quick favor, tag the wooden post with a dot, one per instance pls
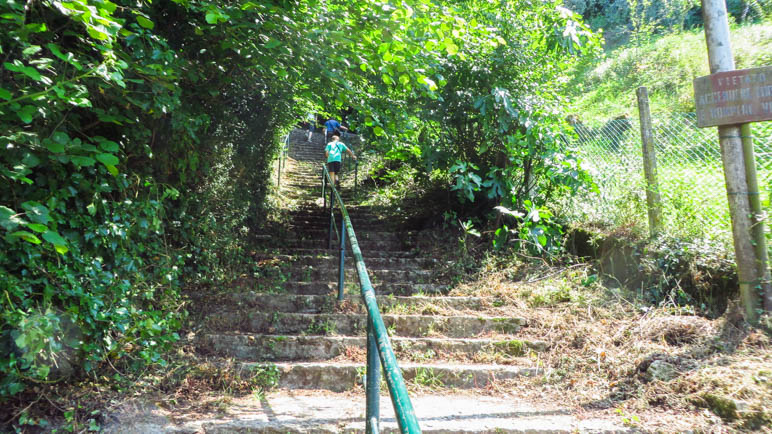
(653, 199)
(720, 58)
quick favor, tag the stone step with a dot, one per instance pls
(327, 303)
(326, 274)
(341, 376)
(332, 261)
(323, 218)
(384, 246)
(322, 251)
(325, 412)
(430, 350)
(320, 233)
(352, 287)
(318, 211)
(244, 320)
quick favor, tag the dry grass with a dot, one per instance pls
(603, 343)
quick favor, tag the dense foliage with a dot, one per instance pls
(128, 132)
(137, 138)
(636, 20)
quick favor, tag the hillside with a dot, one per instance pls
(604, 87)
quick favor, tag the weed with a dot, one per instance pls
(391, 330)
(514, 347)
(506, 325)
(326, 327)
(264, 377)
(426, 377)
(550, 296)
(630, 421)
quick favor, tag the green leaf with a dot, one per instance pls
(272, 43)
(32, 49)
(107, 159)
(80, 160)
(91, 208)
(112, 169)
(26, 113)
(56, 148)
(109, 146)
(37, 227)
(26, 236)
(378, 131)
(59, 243)
(36, 27)
(21, 341)
(9, 219)
(144, 22)
(29, 71)
(37, 212)
(4, 94)
(211, 17)
(30, 160)
(69, 57)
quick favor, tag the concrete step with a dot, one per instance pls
(319, 212)
(247, 321)
(293, 303)
(383, 246)
(352, 287)
(324, 412)
(341, 376)
(323, 218)
(332, 261)
(322, 251)
(430, 350)
(324, 274)
(320, 233)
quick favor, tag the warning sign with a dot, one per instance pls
(734, 97)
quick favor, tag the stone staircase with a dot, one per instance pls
(445, 345)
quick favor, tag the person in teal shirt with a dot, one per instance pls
(333, 151)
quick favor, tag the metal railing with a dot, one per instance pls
(282, 159)
(378, 344)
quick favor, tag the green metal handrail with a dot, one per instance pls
(378, 344)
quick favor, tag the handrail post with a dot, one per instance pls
(278, 171)
(324, 190)
(373, 383)
(356, 174)
(332, 219)
(342, 258)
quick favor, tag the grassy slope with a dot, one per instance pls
(605, 88)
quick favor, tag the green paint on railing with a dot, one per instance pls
(403, 408)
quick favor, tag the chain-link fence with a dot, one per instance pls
(689, 173)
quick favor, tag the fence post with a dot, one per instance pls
(758, 229)
(720, 59)
(653, 199)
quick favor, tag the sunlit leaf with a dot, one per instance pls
(144, 22)
(59, 243)
(37, 227)
(26, 236)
